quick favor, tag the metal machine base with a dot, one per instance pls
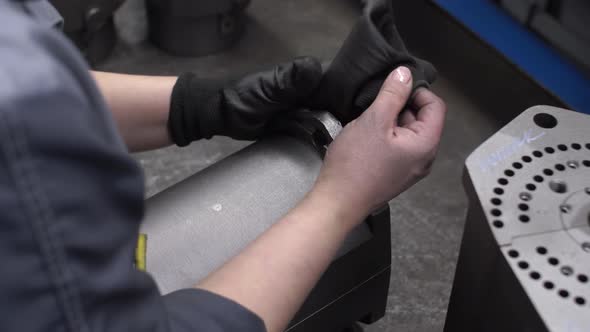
(523, 264)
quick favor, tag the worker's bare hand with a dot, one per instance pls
(385, 151)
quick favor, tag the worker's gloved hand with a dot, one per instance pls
(384, 151)
(372, 50)
(242, 109)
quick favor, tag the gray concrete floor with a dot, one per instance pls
(427, 221)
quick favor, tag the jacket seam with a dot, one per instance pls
(39, 216)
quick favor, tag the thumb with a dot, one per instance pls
(393, 96)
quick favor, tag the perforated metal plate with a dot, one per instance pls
(532, 180)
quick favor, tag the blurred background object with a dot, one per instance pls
(90, 25)
(196, 27)
(180, 27)
(484, 40)
(562, 23)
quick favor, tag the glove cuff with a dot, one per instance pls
(194, 109)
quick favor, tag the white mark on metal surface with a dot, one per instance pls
(506, 152)
(217, 207)
(213, 158)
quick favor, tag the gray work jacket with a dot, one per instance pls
(71, 200)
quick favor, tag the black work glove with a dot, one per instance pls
(242, 109)
(373, 49)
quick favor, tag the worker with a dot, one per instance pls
(72, 198)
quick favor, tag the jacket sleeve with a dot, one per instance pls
(71, 202)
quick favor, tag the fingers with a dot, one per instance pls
(406, 118)
(283, 86)
(294, 81)
(431, 112)
(393, 96)
(306, 75)
(428, 69)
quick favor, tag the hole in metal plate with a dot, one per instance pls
(523, 218)
(545, 120)
(523, 265)
(558, 186)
